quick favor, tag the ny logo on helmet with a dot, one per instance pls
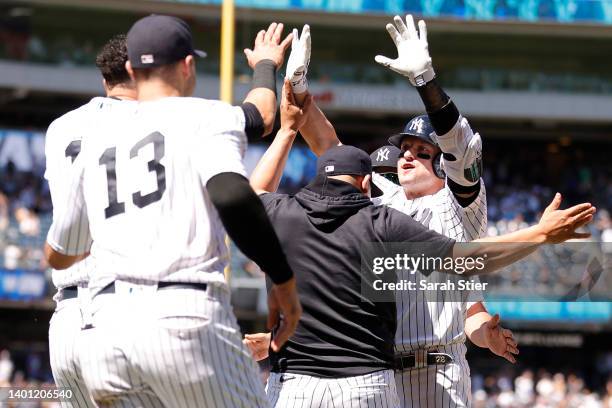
(382, 155)
(417, 125)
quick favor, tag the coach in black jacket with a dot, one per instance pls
(342, 350)
(343, 334)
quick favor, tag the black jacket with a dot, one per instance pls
(322, 228)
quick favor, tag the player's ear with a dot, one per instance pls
(105, 85)
(130, 70)
(366, 187)
(189, 65)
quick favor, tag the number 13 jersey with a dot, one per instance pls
(140, 185)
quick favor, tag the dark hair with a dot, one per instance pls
(111, 61)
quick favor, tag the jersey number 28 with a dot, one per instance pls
(109, 159)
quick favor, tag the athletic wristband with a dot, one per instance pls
(264, 75)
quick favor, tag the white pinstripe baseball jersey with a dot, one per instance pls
(62, 146)
(138, 191)
(422, 323)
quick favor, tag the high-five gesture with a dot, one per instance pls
(297, 64)
(413, 59)
(561, 225)
(268, 46)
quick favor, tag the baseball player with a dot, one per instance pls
(333, 359)
(457, 208)
(62, 146)
(152, 188)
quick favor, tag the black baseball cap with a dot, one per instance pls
(344, 160)
(158, 40)
(385, 156)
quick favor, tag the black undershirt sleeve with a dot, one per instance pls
(443, 114)
(254, 124)
(245, 220)
(441, 110)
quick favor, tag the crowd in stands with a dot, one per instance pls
(538, 389)
(25, 214)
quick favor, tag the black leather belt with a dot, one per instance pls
(408, 361)
(181, 285)
(110, 288)
(70, 292)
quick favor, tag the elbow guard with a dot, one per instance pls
(462, 154)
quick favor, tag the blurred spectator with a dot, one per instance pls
(29, 223)
(12, 256)
(6, 366)
(524, 386)
(551, 391)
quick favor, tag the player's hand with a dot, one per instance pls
(283, 299)
(560, 225)
(297, 64)
(499, 340)
(292, 117)
(268, 46)
(413, 59)
(258, 344)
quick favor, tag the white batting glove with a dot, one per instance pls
(413, 59)
(297, 64)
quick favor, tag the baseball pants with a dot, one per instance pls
(177, 347)
(295, 390)
(64, 335)
(437, 386)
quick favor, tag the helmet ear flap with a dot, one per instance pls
(436, 164)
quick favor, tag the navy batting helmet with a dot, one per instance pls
(420, 127)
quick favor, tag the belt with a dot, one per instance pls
(409, 361)
(70, 292)
(110, 288)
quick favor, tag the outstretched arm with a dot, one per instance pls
(554, 227)
(265, 58)
(268, 172)
(461, 147)
(318, 132)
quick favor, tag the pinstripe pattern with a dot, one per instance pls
(62, 148)
(64, 330)
(296, 390)
(169, 348)
(178, 348)
(422, 323)
(178, 237)
(437, 386)
(440, 324)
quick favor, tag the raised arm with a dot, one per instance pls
(461, 147)
(265, 58)
(268, 172)
(317, 131)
